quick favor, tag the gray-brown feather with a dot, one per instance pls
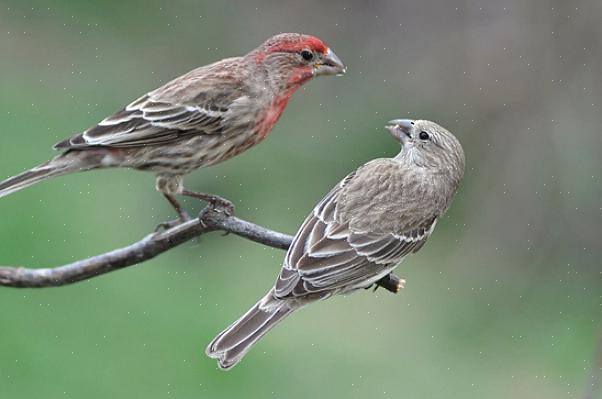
(201, 118)
(236, 340)
(360, 231)
(200, 102)
(370, 221)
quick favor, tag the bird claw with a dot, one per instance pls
(162, 227)
(216, 203)
(221, 205)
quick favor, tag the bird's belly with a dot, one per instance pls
(187, 155)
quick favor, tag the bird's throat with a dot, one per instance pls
(291, 84)
(268, 118)
(298, 77)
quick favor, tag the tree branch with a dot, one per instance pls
(150, 246)
(147, 248)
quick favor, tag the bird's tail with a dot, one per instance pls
(63, 164)
(232, 344)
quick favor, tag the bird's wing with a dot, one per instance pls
(326, 254)
(195, 103)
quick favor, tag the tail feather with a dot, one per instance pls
(61, 165)
(232, 344)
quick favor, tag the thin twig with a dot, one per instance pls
(147, 248)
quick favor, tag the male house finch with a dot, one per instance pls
(206, 116)
(359, 232)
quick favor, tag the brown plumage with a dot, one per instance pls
(359, 232)
(206, 116)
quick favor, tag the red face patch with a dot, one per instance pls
(316, 44)
(295, 43)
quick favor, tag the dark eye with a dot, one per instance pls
(423, 135)
(307, 55)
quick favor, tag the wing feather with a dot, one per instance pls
(194, 104)
(327, 255)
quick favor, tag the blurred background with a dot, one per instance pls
(505, 299)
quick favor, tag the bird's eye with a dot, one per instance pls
(307, 55)
(423, 135)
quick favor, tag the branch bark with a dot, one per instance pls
(150, 246)
(147, 248)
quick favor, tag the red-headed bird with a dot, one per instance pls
(206, 116)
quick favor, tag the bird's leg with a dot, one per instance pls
(391, 283)
(182, 215)
(216, 202)
(168, 185)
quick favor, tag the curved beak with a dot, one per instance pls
(401, 129)
(330, 64)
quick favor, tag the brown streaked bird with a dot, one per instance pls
(359, 232)
(206, 116)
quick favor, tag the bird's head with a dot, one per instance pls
(429, 146)
(297, 58)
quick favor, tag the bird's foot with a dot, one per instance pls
(391, 283)
(217, 203)
(182, 217)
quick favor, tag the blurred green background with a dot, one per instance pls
(506, 298)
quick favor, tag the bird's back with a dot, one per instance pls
(387, 196)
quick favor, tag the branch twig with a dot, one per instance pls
(150, 246)
(145, 249)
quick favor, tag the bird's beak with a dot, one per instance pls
(401, 129)
(330, 64)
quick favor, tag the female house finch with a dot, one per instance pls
(206, 116)
(359, 232)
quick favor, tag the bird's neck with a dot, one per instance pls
(279, 84)
(268, 118)
(442, 181)
(297, 78)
